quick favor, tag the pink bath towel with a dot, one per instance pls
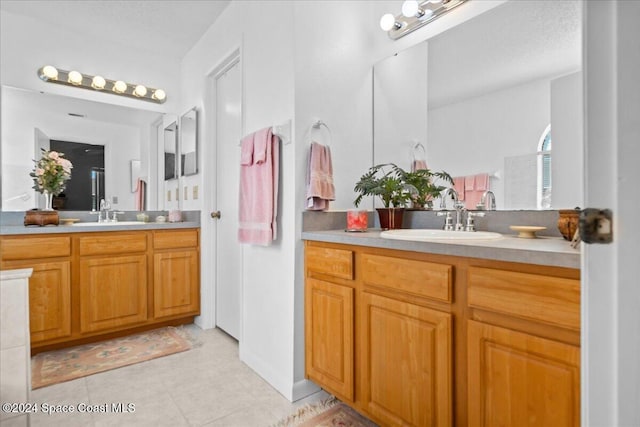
(259, 190)
(141, 188)
(482, 182)
(320, 188)
(246, 150)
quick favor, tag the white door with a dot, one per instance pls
(42, 142)
(610, 291)
(228, 89)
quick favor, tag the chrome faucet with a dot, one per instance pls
(482, 205)
(457, 205)
(105, 207)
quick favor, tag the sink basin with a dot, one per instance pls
(428, 235)
(100, 224)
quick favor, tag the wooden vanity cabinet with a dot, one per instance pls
(113, 280)
(330, 319)
(443, 341)
(49, 285)
(176, 273)
(94, 285)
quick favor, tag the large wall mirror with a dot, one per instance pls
(102, 140)
(189, 143)
(500, 94)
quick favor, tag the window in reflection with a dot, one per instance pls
(544, 170)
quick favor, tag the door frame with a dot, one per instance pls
(610, 295)
(208, 228)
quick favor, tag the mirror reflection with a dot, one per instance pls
(189, 143)
(496, 100)
(170, 150)
(85, 130)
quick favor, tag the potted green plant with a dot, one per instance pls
(424, 183)
(385, 182)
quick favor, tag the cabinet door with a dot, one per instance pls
(329, 313)
(176, 285)
(113, 292)
(50, 301)
(406, 362)
(517, 379)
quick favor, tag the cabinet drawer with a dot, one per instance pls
(113, 244)
(334, 262)
(175, 239)
(548, 299)
(421, 278)
(35, 247)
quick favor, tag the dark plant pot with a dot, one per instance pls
(390, 218)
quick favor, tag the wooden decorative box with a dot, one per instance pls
(36, 217)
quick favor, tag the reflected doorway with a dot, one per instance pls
(86, 186)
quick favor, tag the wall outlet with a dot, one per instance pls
(195, 192)
(114, 200)
(168, 195)
(186, 192)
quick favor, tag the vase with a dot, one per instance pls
(390, 218)
(48, 201)
(568, 220)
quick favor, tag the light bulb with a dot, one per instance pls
(75, 78)
(49, 72)
(119, 86)
(427, 13)
(435, 1)
(140, 91)
(387, 22)
(410, 8)
(98, 82)
(159, 95)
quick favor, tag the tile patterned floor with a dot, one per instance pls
(206, 386)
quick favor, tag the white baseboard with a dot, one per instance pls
(304, 388)
(282, 385)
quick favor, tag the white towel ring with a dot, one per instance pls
(318, 125)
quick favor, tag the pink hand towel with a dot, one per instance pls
(418, 165)
(320, 188)
(246, 150)
(458, 185)
(261, 145)
(259, 193)
(482, 182)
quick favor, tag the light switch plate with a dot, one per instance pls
(195, 192)
(177, 194)
(168, 195)
(186, 192)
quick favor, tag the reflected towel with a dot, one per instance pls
(141, 189)
(259, 191)
(458, 185)
(482, 182)
(320, 188)
(418, 165)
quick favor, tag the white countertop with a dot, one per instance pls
(551, 251)
(7, 230)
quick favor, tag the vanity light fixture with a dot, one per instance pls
(51, 74)
(415, 14)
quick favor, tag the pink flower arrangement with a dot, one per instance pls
(51, 172)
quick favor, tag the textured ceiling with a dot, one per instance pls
(517, 42)
(168, 27)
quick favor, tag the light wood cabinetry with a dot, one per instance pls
(49, 285)
(405, 362)
(434, 340)
(94, 285)
(176, 273)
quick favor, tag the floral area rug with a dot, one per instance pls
(67, 364)
(327, 413)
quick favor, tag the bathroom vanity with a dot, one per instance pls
(92, 283)
(441, 334)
